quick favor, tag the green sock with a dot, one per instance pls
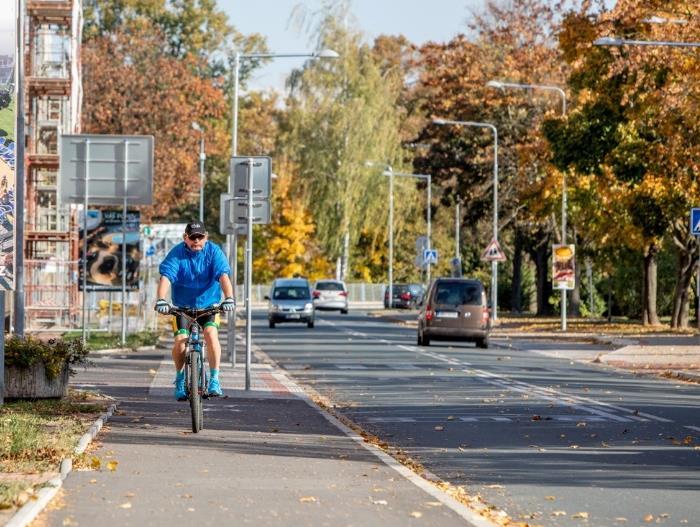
(214, 373)
(180, 375)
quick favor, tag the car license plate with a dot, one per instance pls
(294, 315)
(447, 314)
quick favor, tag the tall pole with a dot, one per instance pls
(391, 236)
(249, 278)
(457, 253)
(124, 212)
(85, 239)
(494, 263)
(202, 157)
(231, 244)
(19, 178)
(430, 201)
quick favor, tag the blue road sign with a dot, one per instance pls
(695, 222)
(430, 256)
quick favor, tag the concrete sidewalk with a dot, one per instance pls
(266, 457)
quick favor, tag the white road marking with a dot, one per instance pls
(585, 404)
(696, 428)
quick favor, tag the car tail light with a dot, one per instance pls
(406, 296)
(485, 316)
(428, 313)
(316, 294)
(343, 293)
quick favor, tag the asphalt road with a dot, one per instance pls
(549, 440)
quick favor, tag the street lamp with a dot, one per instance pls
(389, 171)
(494, 263)
(231, 240)
(429, 179)
(502, 85)
(202, 158)
(610, 41)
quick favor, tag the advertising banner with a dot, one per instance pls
(104, 253)
(563, 267)
(8, 120)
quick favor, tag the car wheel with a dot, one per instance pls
(343, 311)
(482, 343)
(419, 340)
(271, 324)
(310, 324)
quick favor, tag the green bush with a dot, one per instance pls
(53, 353)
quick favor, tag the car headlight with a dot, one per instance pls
(308, 307)
(274, 307)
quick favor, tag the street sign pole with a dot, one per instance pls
(249, 277)
(697, 286)
(232, 316)
(85, 244)
(126, 177)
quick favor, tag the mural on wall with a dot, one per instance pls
(7, 145)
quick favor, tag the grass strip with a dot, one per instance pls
(100, 341)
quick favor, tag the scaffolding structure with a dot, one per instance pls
(52, 107)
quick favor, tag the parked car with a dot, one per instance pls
(290, 301)
(405, 296)
(331, 295)
(455, 309)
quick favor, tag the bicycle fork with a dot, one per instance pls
(195, 353)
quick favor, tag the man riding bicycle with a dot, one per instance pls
(197, 272)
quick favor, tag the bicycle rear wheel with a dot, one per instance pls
(195, 391)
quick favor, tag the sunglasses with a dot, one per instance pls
(196, 237)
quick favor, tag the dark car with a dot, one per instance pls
(290, 301)
(455, 309)
(405, 296)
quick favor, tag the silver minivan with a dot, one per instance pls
(290, 301)
(455, 309)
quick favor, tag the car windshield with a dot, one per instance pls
(415, 289)
(329, 286)
(291, 293)
(458, 293)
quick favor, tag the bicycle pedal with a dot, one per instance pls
(212, 395)
(182, 399)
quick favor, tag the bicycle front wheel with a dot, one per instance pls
(195, 392)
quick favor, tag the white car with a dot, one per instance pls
(331, 295)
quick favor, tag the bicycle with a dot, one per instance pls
(196, 375)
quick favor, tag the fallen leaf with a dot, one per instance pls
(649, 518)
(450, 417)
(379, 502)
(112, 465)
(559, 513)
(190, 509)
(550, 498)
(93, 481)
(416, 514)
(621, 519)
(126, 505)
(582, 424)
(495, 487)
(536, 418)
(307, 499)
(152, 371)
(580, 516)
(95, 463)
(439, 428)
(573, 446)
(129, 495)
(433, 503)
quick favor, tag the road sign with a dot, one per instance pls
(421, 244)
(563, 266)
(695, 222)
(456, 267)
(262, 176)
(234, 214)
(493, 252)
(430, 256)
(99, 160)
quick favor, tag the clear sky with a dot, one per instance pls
(419, 20)
(7, 27)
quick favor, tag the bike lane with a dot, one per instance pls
(265, 457)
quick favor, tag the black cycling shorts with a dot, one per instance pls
(180, 323)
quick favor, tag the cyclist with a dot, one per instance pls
(197, 272)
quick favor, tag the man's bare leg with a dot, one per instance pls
(178, 352)
(211, 337)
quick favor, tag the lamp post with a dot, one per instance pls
(389, 171)
(202, 158)
(494, 263)
(610, 41)
(429, 179)
(231, 240)
(501, 85)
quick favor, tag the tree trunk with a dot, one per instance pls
(649, 314)
(539, 253)
(516, 286)
(687, 265)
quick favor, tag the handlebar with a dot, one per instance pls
(184, 311)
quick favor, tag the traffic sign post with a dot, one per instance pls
(493, 252)
(695, 221)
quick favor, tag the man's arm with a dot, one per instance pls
(226, 286)
(163, 287)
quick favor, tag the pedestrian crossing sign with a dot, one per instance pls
(430, 256)
(493, 252)
(695, 222)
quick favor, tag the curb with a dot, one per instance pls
(115, 351)
(30, 510)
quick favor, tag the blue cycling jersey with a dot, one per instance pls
(194, 275)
